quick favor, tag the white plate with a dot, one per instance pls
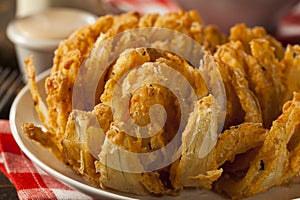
(23, 110)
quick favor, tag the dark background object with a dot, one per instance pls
(7, 53)
(7, 60)
(9, 72)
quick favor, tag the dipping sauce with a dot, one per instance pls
(54, 23)
(39, 34)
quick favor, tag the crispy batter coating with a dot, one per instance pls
(245, 35)
(66, 63)
(265, 171)
(231, 58)
(45, 138)
(268, 81)
(199, 138)
(291, 65)
(71, 53)
(261, 128)
(237, 140)
(255, 78)
(39, 105)
(82, 140)
(147, 94)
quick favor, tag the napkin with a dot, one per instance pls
(29, 180)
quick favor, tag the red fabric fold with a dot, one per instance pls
(29, 180)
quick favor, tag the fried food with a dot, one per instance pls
(37, 100)
(66, 62)
(137, 111)
(198, 140)
(142, 83)
(265, 171)
(291, 69)
(271, 99)
(245, 35)
(231, 58)
(256, 78)
(237, 140)
(71, 53)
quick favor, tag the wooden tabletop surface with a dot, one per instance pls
(7, 189)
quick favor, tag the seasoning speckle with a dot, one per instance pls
(262, 165)
(294, 54)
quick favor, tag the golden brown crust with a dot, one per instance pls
(45, 138)
(37, 100)
(258, 77)
(291, 70)
(265, 171)
(245, 35)
(231, 57)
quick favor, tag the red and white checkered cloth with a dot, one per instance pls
(289, 26)
(29, 180)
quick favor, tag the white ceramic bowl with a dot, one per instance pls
(40, 34)
(227, 13)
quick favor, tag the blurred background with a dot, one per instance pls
(7, 12)
(11, 80)
(10, 9)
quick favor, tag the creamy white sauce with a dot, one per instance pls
(55, 23)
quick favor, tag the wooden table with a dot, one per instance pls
(7, 189)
